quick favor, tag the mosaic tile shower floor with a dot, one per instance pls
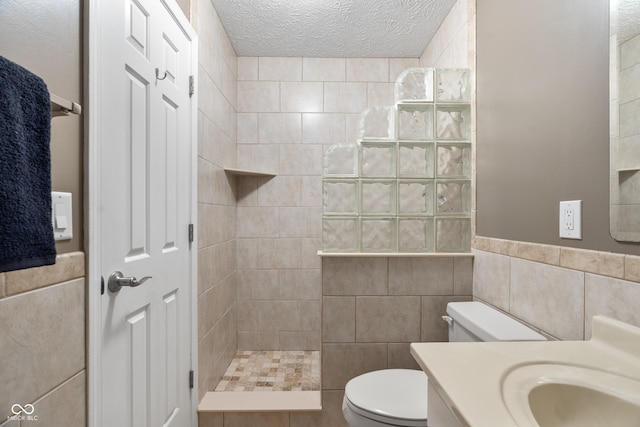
(272, 371)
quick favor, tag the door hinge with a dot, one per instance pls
(192, 85)
(190, 233)
(191, 382)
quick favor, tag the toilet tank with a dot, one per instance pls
(475, 321)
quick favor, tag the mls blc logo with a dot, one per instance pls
(23, 413)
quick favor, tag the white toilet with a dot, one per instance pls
(398, 397)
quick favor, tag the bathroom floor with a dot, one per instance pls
(272, 371)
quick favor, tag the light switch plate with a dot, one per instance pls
(571, 219)
(61, 215)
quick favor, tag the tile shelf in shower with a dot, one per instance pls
(247, 172)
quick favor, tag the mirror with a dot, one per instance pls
(624, 120)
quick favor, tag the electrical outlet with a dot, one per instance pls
(571, 219)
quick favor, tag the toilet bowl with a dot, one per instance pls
(389, 397)
(398, 397)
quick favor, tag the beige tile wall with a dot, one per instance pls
(555, 289)
(289, 111)
(217, 271)
(284, 132)
(42, 342)
(373, 307)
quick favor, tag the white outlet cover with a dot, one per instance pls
(570, 221)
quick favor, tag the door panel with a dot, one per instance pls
(136, 166)
(138, 335)
(145, 156)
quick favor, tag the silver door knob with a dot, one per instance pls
(117, 281)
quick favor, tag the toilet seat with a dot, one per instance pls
(396, 397)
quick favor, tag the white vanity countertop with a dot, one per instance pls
(469, 376)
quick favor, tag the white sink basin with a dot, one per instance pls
(550, 394)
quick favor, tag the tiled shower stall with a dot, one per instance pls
(287, 112)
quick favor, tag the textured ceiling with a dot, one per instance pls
(331, 28)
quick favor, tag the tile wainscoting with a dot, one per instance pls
(555, 289)
(42, 342)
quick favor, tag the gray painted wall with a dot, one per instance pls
(45, 37)
(542, 120)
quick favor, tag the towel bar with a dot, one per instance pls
(62, 107)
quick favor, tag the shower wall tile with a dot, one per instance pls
(449, 47)
(280, 69)
(324, 128)
(324, 69)
(363, 318)
(259, 284)
(279, 128)
(293, 108)
(295, 340)
(247, 124)
(219, 262)
(380, 94)
(368, 70)
(301, 97)
(300, 222)
(206, 176)
(281, 190)
(215, 351)
(354, 276)
(247, 68)
(309, 253)
(341, 362)
(213, 144)
(339, 319)
(398, 65)
(260, 97)
(387, 318)
(258, 157)
(463, 276)
(216, 223)
(247, 257)
(311, 189)
(352, 125)
(301, 284)
(214, 303)
(345, 97)
(421, 276)
(256, 221)
(218, 127)
(279, 253)
(300, 160)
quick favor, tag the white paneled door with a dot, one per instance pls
(145, 135)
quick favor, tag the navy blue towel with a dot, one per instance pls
(26, 232)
